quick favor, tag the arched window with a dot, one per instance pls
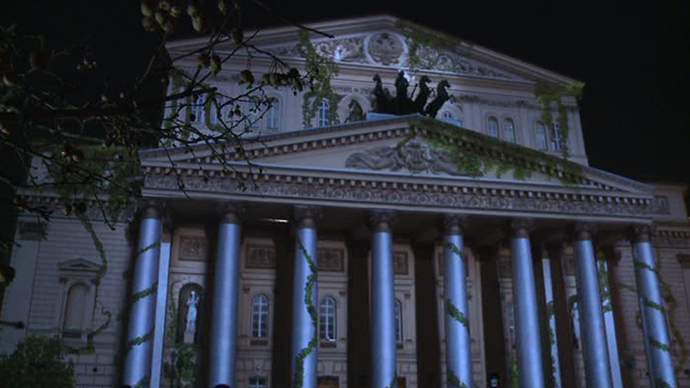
(450, 118)
(556, 140)
(74, 309)
(260, 316)
(493, 127)
(324, 109)
(197, 110)
(542, 143)
(273, 114)
(509, 131)
(327, 325)
(398, 321)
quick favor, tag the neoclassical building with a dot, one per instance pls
(363, 251)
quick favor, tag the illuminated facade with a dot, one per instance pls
(421, 274)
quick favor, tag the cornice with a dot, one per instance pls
(286, 184)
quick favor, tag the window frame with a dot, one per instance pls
(540, 127)
(322, 111)
(398, 318)
(272, 115)
(330, 319)
(508, 122)
(490, 128)
(257, 317)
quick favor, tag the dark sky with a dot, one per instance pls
(632, 58)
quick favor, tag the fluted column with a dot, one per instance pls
(223, 344)
(458, 354)
(594, 344)
(526, 310)
(383, 347)
(139, 346)
(304, 291)
(657, 340)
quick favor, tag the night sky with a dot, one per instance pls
(632, 58)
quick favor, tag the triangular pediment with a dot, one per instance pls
(404, 148)
(387, 42)
(78, 265)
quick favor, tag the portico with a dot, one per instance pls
(373, 210)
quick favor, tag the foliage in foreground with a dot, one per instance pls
(38, 362)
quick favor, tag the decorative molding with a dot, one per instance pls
(286, 188)
(660, 205)
(400, 263)
(385, 49)
(684, 260)
(33, 231)
(260, 257)
(414, 156)
(192, 248)
(331, 260)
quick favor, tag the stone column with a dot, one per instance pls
(657, 340)
(139, 346)
(223, 333)
(304, 310)
(458, 354)
(594, 344)
(526, 310)
(383, 347)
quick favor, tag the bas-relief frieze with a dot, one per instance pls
(413, 156)
(331, 259)
(394, 196)
(192, 248)
(660, 205)
(261, 257)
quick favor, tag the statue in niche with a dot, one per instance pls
(403, 104)
(192, 302)
(356, 113)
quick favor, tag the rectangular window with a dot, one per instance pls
(257, 382)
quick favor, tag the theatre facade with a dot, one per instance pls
(366, 251)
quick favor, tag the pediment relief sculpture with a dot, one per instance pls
(414, 156)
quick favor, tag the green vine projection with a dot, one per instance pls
(669, 311)
(320, 69)
(476, 154)
(418, 37)
(454, 380)
(604, 289)
(298, 377)
(552, 341)
(548, 93)
(514, 372)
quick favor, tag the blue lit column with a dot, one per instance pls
(458, 355)
(304, 340)
(526, 312)
(222, 342)
(383, 347)
(653, 313)
(139, 346)
(594, 344)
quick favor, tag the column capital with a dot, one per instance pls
(641, 232)
(151, 207)
(381, 220)
(521, 227)
(454, 223)
(306, 216)
(584, 230)
(230, 212)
